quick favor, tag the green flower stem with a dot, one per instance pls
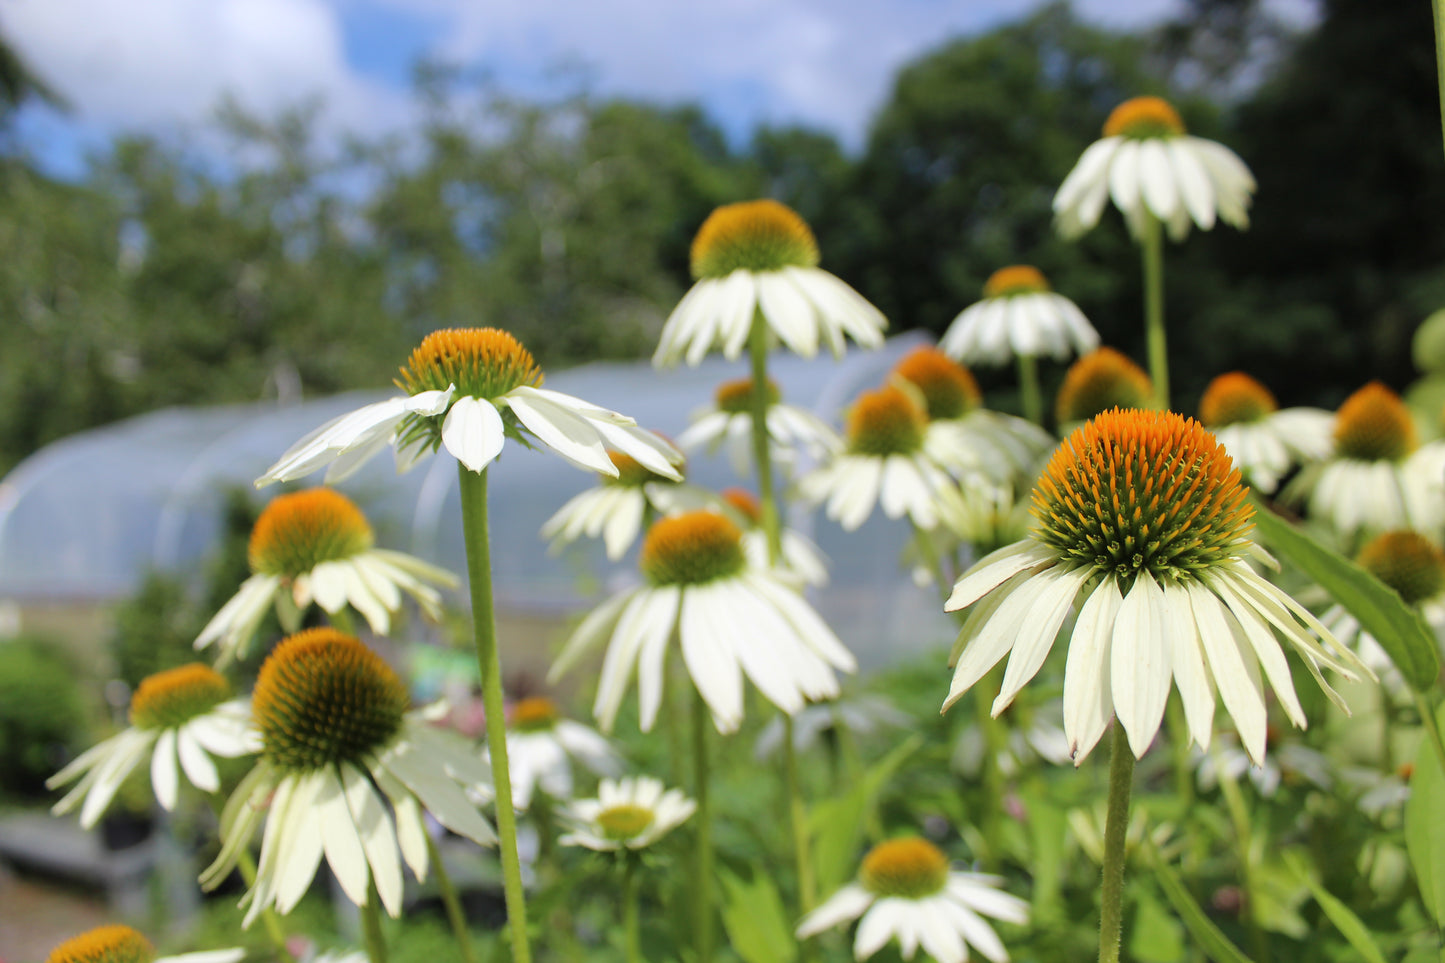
(1152, 241)
(342, 621)
(371, 927)
(1030, 394)
(1432, 727)
(767, 498)
(807, 885)
(630, 935)
(1239, 816)
(1116, 829)
(702, 870)
(450, 901)
(484, 623)
(1438, 8)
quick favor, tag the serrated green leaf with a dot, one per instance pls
(837, 824)
(1400, 630)
(1214, 943)
(1423, 839)
(755, 921)
(1339, 914)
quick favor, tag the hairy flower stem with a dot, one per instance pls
(484, 624)
(630, 934)
(450, 901)
(1031, 396)
(1239, 816)
(371, 927)
(1438, 8)
(1152, 242)
(702, 859)
(1116, 829)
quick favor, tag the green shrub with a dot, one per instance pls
(41, 714)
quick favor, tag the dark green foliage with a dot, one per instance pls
(41, 714)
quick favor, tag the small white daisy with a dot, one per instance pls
(728, 423)
(183, 715)
(1292, 760)
(1141, 521)
(1378, 476)
(758, 259)
(894, 456)
(860, 715)
(316, 546)
(906, 891)
(801, 558)
(1100, 380)
(121, 944)
(338, 744)
(629, 813)
(1381, 793)
(1150, 166)
(542, 746)
(1038, 733)
(469, 389)
(1019, 316)
(731, 620)
(1264, 441)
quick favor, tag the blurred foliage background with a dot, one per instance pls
(260, 260)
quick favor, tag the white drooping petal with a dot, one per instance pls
(473, 432)
(1140, 667)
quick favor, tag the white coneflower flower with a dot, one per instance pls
(542, 746)
(468, 389)
(1291, 760)
(759, 258)
(728, 423)
(1034, 734)
(1150, 166)
(1264, 441)
(317, 546)
(183, 715)
(905, 891)
(630, 813)
(615, 509)
(1142, 521)
(338, 744)
(121, 944)
(860, 715)
(1378, 477)
(801, 558)
(892, 457)
(1018, 316)
(1100, 380)
(731, 620)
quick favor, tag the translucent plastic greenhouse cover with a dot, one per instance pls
(87, 517)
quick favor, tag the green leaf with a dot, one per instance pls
(755, 922)
(1214, 943)
(1154, 935)
(1341, 915)
(837, 823)
(1399, 629)
(1048, 832)
(1423, 839)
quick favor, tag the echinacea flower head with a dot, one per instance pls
(728, 424)
(1100, 380)
(1019, 316)
(468, 390)
(338, 744)
(888, 459)
(906, 891)
(1142, 519)
(1378, 476)
(1264, 441)
(801, 558)
(1152, 167)
(615, 509)
(179, 719)
(542, 747)
(121, 944)
(317, 546)
(731, 620)
(760, 259)
(629, 813)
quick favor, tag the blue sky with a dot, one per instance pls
(158, 65)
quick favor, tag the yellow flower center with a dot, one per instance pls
(105, 944)
(1135, 491)
(691, 548)
(736, 397)
(534, 714)
(298, 532)
(322, 697)
(1143, 118)
(1098, 381)
(745, 502)
(631, 473)
(886, 422)
(1234, 398)
(625, 822)
(1408, 562)
(1015, 279)
(910, 868)
(176, 696)
(752, 236)
(948, 389)
(481, 362)
(1374, 425)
